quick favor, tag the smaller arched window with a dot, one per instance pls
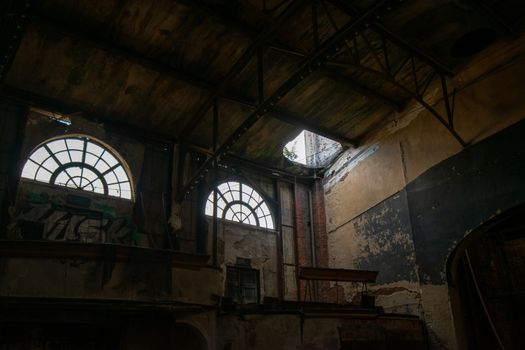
(81, 163)
(241, 203)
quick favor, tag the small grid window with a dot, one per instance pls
(242, 284)
(79, 163)
(241, 203)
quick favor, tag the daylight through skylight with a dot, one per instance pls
(311, 150)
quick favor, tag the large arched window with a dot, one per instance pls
(239, 202)
(81, 163)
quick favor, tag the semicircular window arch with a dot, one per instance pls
(81, 163)
(241, 203)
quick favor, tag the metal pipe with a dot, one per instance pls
(312, 242)
(279, 238)
(296, 247)
(312, 233)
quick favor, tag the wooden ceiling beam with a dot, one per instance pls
(265, 35)
(98, 42)
(68, 109)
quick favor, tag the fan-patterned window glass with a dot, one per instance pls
(239, 202)
(80, 163)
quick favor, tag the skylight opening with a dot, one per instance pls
(311, 150)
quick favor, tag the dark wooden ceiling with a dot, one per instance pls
(157, 65)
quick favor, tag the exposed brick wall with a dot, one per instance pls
(319, 222)
(302, 220)
(302, 231)
(326, 292)
(302, 211)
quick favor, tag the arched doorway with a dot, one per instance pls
(486, 275)
(186, 337)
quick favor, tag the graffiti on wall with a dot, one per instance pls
(43, 218)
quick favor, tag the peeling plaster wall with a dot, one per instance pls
(258, 245)
(402, 201)
(139, 280)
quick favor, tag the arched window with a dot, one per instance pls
(81, 163)
(239, 202)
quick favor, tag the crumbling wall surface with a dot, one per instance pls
(381, 241)
(141, 280)
(238, 240)
(401, 202)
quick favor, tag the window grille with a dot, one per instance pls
(241, 203)
(80, 163)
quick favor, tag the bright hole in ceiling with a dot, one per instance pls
(311, 150)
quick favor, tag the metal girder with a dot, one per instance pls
(350, 83)
(362, 89)
(239, 65)
(60, 107)
(395, 39)
(232, 160)
(289, 118)
(416, 95)
(415, 88)
(312, 62)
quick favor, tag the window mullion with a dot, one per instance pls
(83, 162)
(46, 147)
(110, 169)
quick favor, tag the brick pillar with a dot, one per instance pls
(326, 293)
(319, 222)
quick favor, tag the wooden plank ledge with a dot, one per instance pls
(342, 275)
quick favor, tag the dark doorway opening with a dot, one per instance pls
(486, 274)
(187, 337)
